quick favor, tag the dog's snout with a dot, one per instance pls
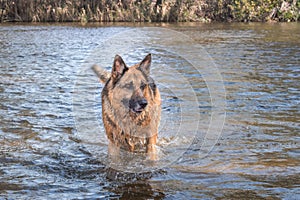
(138, 105)
(143, 103)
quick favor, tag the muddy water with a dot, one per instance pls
(52, 143)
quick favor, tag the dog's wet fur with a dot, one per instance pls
(131, 105)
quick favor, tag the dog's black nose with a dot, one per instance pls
(143, 103)
(138, 106)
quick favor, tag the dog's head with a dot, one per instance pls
(132, 88)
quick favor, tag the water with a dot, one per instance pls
(52, 142)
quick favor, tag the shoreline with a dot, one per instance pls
(144, 24)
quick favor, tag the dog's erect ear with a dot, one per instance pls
(145, 65)
(118, 69)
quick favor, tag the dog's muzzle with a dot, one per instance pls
(137, 106)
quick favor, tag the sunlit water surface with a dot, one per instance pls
(52, 142)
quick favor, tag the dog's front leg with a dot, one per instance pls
(151, 147)
(113, 152)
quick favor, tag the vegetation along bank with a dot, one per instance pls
(149, 10)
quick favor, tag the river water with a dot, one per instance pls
(230, 111)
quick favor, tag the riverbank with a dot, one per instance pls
(149, 11)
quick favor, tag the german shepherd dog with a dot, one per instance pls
(131, 106)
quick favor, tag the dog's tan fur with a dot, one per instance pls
(126, 128)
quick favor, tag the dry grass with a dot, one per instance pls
(147, 10)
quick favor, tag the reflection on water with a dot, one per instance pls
(257, 156)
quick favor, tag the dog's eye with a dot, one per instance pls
(128, 85)
(143, 86)
(152, 86)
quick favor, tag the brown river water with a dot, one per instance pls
(230, 111)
